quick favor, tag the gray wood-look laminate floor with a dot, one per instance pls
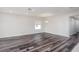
(40, 42)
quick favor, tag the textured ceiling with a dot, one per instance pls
(39, 11)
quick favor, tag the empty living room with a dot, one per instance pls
(39, 29)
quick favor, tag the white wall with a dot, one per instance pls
(14, 25)
(58, 25)
(61, 24)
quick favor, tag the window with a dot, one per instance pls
(37, 26)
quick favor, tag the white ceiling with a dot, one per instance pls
(39, 11)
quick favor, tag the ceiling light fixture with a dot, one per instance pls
(28, 11)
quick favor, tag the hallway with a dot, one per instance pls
(76, 43)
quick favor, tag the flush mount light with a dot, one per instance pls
(28, 11)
